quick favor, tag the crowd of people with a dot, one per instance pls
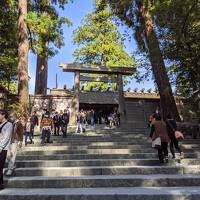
(12, 130)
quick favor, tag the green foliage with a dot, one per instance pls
(178, 28)
(100, 43)
(11, 86)
(45, 26)
(19, 110)
(8, 42)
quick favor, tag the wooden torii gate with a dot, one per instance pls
(88, 69)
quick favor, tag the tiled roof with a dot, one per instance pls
(143, 95)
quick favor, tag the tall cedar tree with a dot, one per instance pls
(136, 14)
(46, 33)
(23, 57)
(100, 43)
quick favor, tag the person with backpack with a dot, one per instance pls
(5, 140)
(16, 141)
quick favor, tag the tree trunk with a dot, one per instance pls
(41, 75)
(168, 104)
(23, 57)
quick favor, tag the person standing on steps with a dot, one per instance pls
(171, 128)
(16, 142)
(46, 126)
(159, 129)
(60, 121)
(65, 122)
(5, 140)
(79, 120)
(28, 131)
(56, 123)
(34, 121)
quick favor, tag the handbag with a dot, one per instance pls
(179, 136)
(156, 143)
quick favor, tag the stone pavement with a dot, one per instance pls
(103, 164)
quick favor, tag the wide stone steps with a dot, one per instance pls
(98, 162)
(105, 181)
(116, 166)
(106, 170)
(85, 147)
(122, 193)
(92, 162)
(98, 156)
(95, 151)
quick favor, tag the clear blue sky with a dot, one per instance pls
(75, 12)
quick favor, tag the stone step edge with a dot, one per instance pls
(106, 177)
(177, 166)
(75, 192)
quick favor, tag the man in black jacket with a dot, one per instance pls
(65, 121)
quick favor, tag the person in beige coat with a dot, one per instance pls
(159, 129)
(16, 142)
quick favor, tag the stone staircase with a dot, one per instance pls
(117, 165)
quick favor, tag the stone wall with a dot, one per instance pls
(49, 102)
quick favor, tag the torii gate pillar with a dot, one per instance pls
(122, 108)
(75, 100)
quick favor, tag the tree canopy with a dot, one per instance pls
(178, 25)
(100, 42)
(45, 26)
(8, 44)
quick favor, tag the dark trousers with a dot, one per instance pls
(46, 135)
(64, 130)
(174, 143)
(3, 155)
(28, 135)
(56, 129)
(163, 151)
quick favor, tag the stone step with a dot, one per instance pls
(99, 144)
(46, 151)
(58, 141)
(91, 162)
(105, 181)
(190, 161)
(98, 156)
(103, 139)
(119, 193)
(105, 146)
(107, 170)
(85, 147)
